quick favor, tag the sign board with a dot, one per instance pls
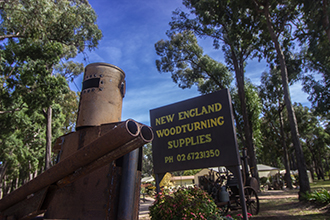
(195, 133)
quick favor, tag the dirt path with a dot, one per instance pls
(284, 204)
(144, 208)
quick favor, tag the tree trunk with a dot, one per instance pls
(303, 178)
(48, 155)
(4, 187)
(312, 170)
(30, 177)
(325, 20)
(320, 169)
(239, 73)
(3, 170)
(327, 164)
(287, 176)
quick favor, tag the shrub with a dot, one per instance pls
(263, 180)
(319, 196)
(185, 203)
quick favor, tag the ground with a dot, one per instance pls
(275, 204)
(144, 207)
(284, 204)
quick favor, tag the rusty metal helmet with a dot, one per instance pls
(102, 95)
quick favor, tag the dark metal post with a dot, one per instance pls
(159, 177)
(157, 183)
(127, 188)
(241, 192)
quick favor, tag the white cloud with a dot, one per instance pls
(298, 95)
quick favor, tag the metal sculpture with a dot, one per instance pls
(97, 166)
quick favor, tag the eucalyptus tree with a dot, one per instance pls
(313, 32)
(271, 94)
(147, 162)
(184, 59)
(315, 139)
(69, 107)
(278, 18)
(254, 109)
(44, 33)
(22, 150)
(226, 23)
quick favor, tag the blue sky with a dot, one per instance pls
(130, 30)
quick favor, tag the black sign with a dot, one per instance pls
(194, 133)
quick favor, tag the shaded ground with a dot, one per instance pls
(284, 204)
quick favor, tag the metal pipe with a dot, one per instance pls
(129, 177)
(146, 133)
(106, 159)
(127, 131)
(127, 187)
(241, 191)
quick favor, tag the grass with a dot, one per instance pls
(320, 185)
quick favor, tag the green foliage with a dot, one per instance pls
(70, 22)
(69, 70)
(184, 59)
(185, 203)
(271, 96)
(227, 22)
(314, 37)
(191, 172)
(315, 139)
(147, 161)
(319, 196)
(254, 109)
(37, 40)
(22, 149)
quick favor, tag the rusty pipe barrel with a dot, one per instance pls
(145, 136)
(127, 131)
(146, 133)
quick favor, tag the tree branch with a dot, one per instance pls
(11, 36)
(13, 110)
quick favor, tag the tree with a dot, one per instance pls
(278, 17)
(271, 94)
(58, 30)
(147, 161)
(254, 109)
(21, 150)
(313, 32)
(184, 59)
(314, 138)
(218, 20)
(27, 78)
